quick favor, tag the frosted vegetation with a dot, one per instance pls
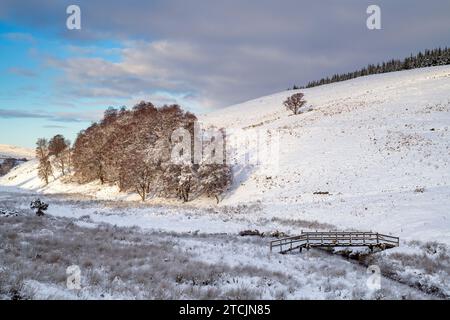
(120, 262)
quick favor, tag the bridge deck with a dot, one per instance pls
(330, 239)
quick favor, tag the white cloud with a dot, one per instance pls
(190, 74)
(222, 52)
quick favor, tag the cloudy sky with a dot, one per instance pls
(202, 54)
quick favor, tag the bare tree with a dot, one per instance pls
(295, 102)
(215, 179)
(45, 169)
(142, 179)
(187, 181)
(59, 148)
(90, 154)
(140, 175)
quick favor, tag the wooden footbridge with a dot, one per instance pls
(330, 239)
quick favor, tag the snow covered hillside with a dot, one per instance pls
(379, 145)
(375, 134)
(7, 151)
(371, 153)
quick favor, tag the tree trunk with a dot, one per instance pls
(141, 192)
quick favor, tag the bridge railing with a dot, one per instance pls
(335, 239)
(290, 241)
(389, 239)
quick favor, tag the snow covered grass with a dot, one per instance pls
(116, 263)
(122, 261)
(422, 265)
(126, 263)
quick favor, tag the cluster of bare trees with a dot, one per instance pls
(132, 149)
(55, 153)
(7, 164)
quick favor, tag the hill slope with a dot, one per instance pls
(373, 134)
(380, 145)
(376, 149)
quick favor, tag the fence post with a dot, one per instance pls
(378, 238)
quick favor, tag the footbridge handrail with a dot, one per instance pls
(335, 239)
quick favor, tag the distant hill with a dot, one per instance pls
(12, 156)
(9, 151)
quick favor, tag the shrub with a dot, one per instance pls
(295, 102)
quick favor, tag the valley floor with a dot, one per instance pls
(130, 251)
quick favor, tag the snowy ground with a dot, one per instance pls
(231, 266)
(124, 262)
(378, 146)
